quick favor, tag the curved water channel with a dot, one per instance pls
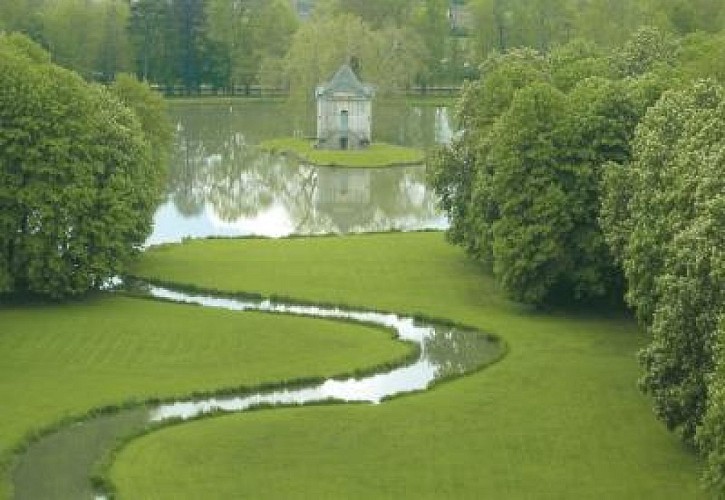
(60, 464)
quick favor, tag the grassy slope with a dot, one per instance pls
(559, 417)
(376, 155)
(61, 361)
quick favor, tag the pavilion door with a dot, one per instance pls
(344, 129)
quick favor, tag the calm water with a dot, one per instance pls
(221, 184)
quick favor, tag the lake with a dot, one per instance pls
(221, 184)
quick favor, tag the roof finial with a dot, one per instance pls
(355, 66)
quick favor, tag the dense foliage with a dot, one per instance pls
(78, 185)
(711, 435)
(521, 184)
(665, 216)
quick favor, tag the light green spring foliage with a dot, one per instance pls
(703, 56)
(224, 42)
(543, 24)
(577, 60)
(86, 37)
(77, 188)
(388, 57)
(150, 108)
(664, 215)
(644, 51)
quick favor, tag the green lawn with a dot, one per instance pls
(376, 155)
(559, 417)
(59, 362)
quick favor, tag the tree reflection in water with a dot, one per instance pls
(222, 185)
(455, 351)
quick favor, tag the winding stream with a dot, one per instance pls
(60, 464)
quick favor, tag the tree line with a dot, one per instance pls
(224, 45)
(584, 174)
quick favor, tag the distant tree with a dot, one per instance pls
(647, 48)
(702, 55)
(189, 22)
(577, 60)
(150, 31)
(114, 51)
(686, 16)
(376, 13)
(23, 16)
(430, 21)
(87, 37)
(171, 42)
(77, 187)
(505, 24)
(248, 32)
(389, 58)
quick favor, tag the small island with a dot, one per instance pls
(344, 129)
(375, 155)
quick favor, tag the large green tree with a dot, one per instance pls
(663, 217)
(521, 184)
(528, 233)
(77, 184)
(547, 155)
(460, 172)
